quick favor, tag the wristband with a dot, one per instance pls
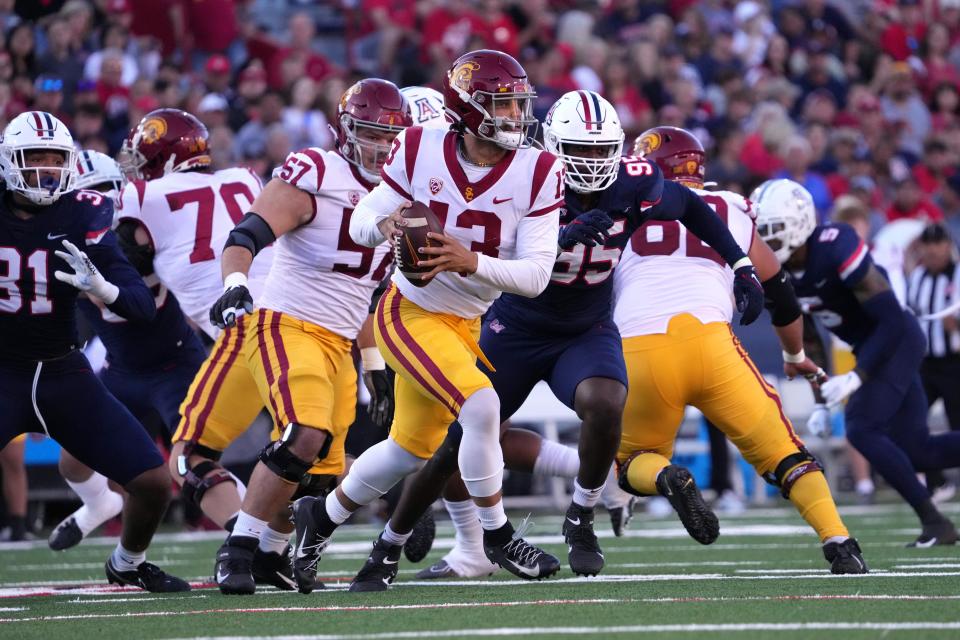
(742, 262)
(794, 358)
(235, 279)
(371, 359)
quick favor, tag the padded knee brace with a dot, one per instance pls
(791, 469)
(201, 478)
(280, 460)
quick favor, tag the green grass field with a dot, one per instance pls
(765, 576)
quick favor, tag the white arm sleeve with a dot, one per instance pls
(372, 208)
(529, 274)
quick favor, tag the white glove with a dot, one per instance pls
(839, 388)
(86, 277)
(818, 424)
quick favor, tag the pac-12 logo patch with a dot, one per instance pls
(354, 197)
(436, 184)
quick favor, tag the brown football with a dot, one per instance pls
(420, 220)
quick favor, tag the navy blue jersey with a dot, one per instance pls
(837, 259)
(37, 311)
(143, 346)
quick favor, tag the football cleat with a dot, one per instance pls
(620, 516)
(275, 569)
(65, 535)
(234, 569)
(314, 529)
(677, 485)
(935, 535)
(584, 554)
(459, 564)
(518, 556)
(380, 570)
(845, 557)
(437, 571)
(421, 538)
(148, 577)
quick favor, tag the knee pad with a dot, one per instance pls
(791, 469)
(377, 470)
(201, 478)
(280, 460)
(315, 486)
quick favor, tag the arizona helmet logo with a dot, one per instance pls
(649, 142)
(436, 184)
(153, 129)
(462, 75)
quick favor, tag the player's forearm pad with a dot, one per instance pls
(781, 300)
(252, 233)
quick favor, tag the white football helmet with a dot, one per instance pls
(37, 130)
(584, 118)
(426, 107)
(786, 216)
(99, 172)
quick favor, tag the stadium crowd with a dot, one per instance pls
(858, 101)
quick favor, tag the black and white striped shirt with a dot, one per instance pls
(929, 293)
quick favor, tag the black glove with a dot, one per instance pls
(380, 385)
(748, 293)
(232, 303)
(588, 229)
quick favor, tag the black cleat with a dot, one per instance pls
(845, 557)
(314, 529)
(584, 555)
(518, 556)
(676, 485)
(65, 535)
(421, 538)
(234, 570)
(621, 516)
(380, 570)
(935, 535)
(148, 577)
(275, 569)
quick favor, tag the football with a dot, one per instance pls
(420, 221)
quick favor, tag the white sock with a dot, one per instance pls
(91, 490)
(481, 457)
(466, 522)
(124, 560)
(336, 511)
(865, 486)
(392, 537)
(837, 539)
(273, 541)
(556, 459)
(492, 518)
(248, 526)
(586, 497)
(99, 502)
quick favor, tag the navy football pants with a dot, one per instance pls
(64, 399)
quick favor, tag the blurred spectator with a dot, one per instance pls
(753, 33)
(20, 46)
(305, 123)
(902, 106)
(949, 202)
(500, 31)
(212, 110)
(796, 156)
(211, 27)
(48, 96)
(79, 16)
(721, 56)
(725, 168)
(769, 128)
(936, 165)
(592, 60)
(162, 20)
(251, 85)
(945, 106)
(910, 202)
(222, 148)
(447, 30)
(634, 111)
(937, 69)
(115, 41)
(906, 30)
(384, 25)
(61, 59)
(293, 57)
(216, 75)
(251, 139)
(624, 19)
(277, 146)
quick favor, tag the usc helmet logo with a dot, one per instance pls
(355, 89)
(153, 129)
(461, 76)
(648, 143)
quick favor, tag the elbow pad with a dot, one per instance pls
(252, 233)
(780, 300)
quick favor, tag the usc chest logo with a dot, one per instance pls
(153, 129)
(468, 194)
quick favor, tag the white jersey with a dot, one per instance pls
(510, 217)
(188, 217)
(319, 274)
(665, 270)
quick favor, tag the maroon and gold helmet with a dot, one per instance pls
(481, 81)
(676, 151)
(165, 141)
(376, 110)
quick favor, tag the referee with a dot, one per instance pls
(935, 285)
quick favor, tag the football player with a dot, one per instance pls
(149, 365)
(298, 343)
(498, 196)
(47, 383)
(175, 215)
(886, 414)
(674, 316)
(566, 336)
